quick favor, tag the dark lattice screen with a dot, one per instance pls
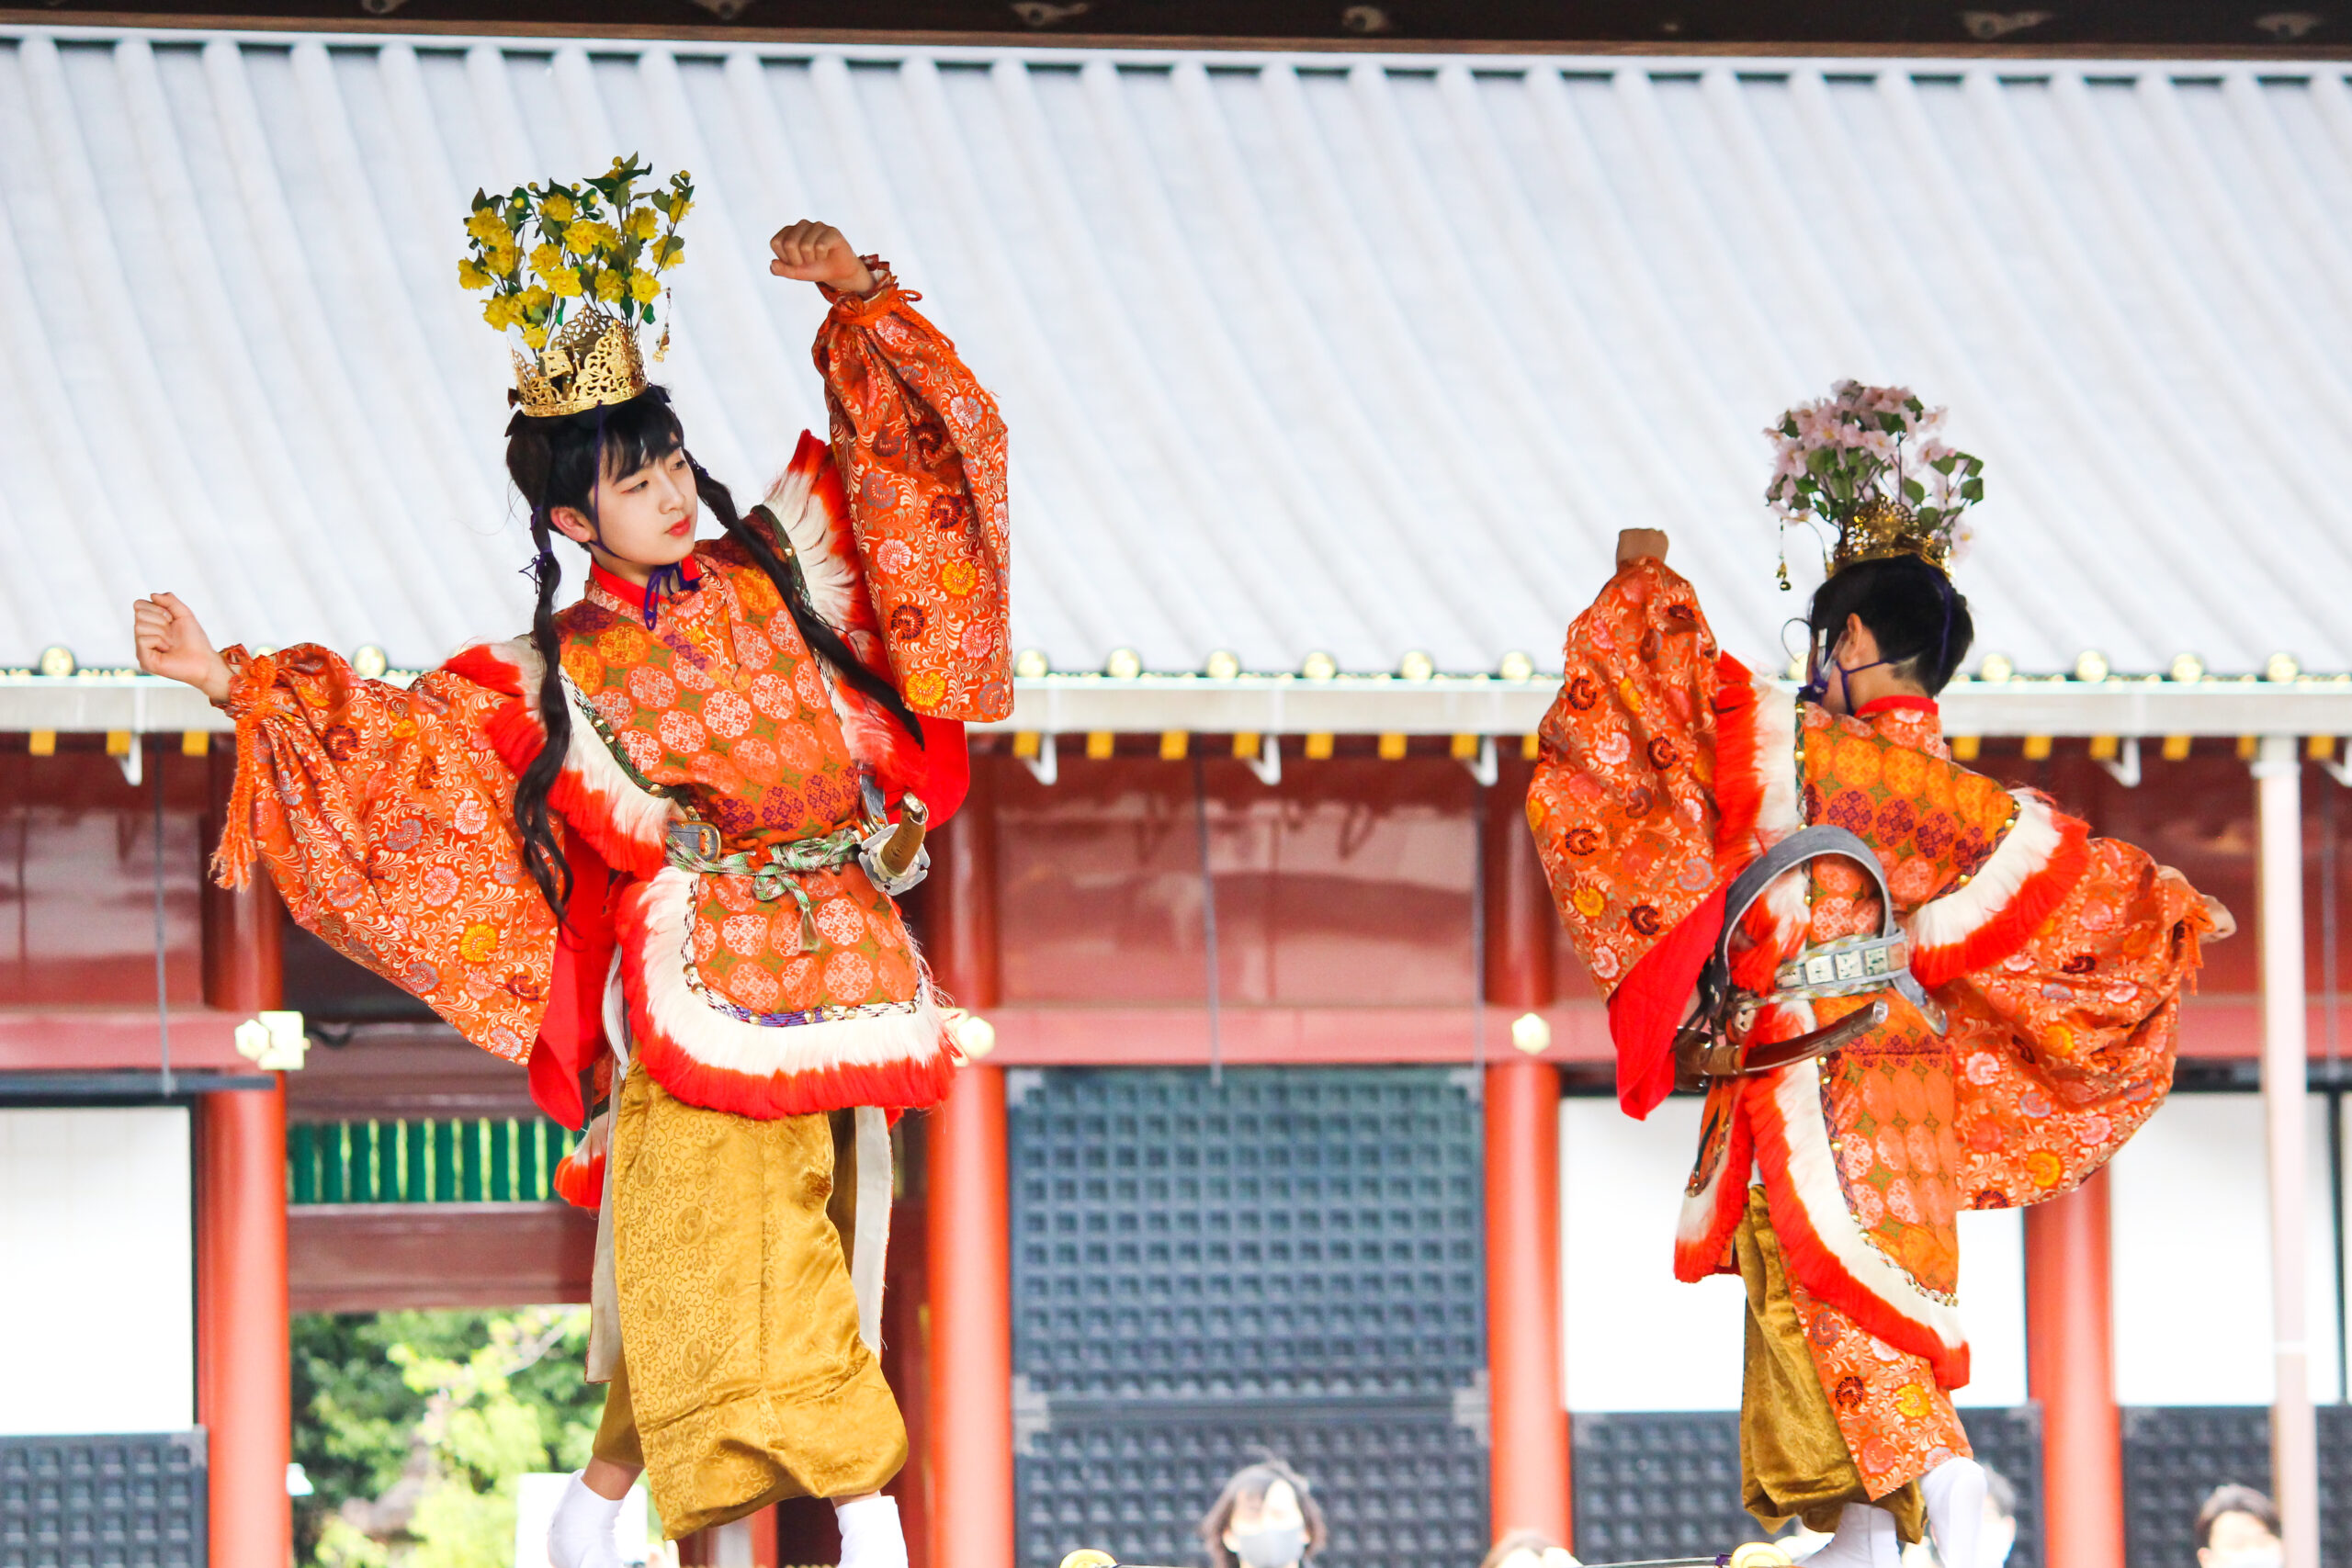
(2174, 1455)
(1290, 1261)
(1654, 1486)
(107, 1501)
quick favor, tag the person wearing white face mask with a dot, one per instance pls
(1265, 1518)
(2237, 1527)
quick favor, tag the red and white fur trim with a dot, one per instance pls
(1827, 1249)
(896, 1058)
(623, 822)
(809, 503)
(1758, 804)
(1709, 1216)
(2029, 872)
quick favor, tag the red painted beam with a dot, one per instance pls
(1530, 1478)
(2070, 1371)
(91, 1039)
(970, 1264)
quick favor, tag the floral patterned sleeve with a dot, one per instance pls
(2065, 1047)
(1620, 806)
(922, 453)
(384, 817)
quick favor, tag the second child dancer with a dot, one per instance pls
(2007, 986)
(665, 828)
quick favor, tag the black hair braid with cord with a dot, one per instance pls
(542, 847)
(821, 636)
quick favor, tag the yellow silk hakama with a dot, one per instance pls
(742, 1379)
(1794, 1459)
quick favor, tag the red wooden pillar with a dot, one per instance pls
(1530, 1475)
(2070, 1371)
(243, 1340)
(969, 1222)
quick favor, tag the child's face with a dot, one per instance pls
(644, 518)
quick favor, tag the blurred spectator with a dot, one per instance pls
(1265, 1518)
(1529, 1548)
(2237, 1527)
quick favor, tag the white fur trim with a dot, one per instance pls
(641, 817)
(1812, 1180)
(836, 587)
(665, 904)
(2024, 851)
(1780, 813)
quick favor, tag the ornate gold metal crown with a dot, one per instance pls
(1882, 528)
(591, 362)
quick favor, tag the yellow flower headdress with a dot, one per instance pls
(594, 256)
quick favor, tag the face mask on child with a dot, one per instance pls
(1281, 1546)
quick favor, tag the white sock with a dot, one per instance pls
(581, 1533)
(1954, 1491)
(871, 1536)
(1866, 1537)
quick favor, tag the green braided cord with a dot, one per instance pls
(773, 871)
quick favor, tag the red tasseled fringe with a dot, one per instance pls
(483, 666)
(904, 1085)
(1814, 1265)
(1740, 783)
(2013, 925)
(580, 1183)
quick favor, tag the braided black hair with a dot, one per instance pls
(557, 462)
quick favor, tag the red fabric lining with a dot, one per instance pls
(1649, 1003)
(1814, 1265)
(2011, 927)
(1895, 703)
(1739, 781)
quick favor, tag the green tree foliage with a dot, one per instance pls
(423, 1420)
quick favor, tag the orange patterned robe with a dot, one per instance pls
(2059, 959)
(385, 815)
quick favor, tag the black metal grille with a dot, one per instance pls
(1289, 1262)
(2174, 1455)
(103, 1502)
(1650, 1486)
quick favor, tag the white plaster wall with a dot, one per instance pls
(1639, 1339)
(98, 1284)
(2192, 1256)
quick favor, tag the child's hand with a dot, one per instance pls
(817, 253)
(171, 643)
(1632, 544)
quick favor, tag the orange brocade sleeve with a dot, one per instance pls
(921, 450)
(384, 817)
(2063, 1048)
(1620, 804)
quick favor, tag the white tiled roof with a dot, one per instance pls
(1351, 354)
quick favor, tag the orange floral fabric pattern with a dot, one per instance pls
(724, 706)
(387, 821)
(1620, 805)
(1898, 1425)
(921, 449)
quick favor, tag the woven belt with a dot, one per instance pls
(774, 869)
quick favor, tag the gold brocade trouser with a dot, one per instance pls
(742, 1379)
(1793, 1459)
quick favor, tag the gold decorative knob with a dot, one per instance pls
(1091, 1556)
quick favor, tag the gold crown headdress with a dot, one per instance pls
(1867, 461)
(596, 253)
